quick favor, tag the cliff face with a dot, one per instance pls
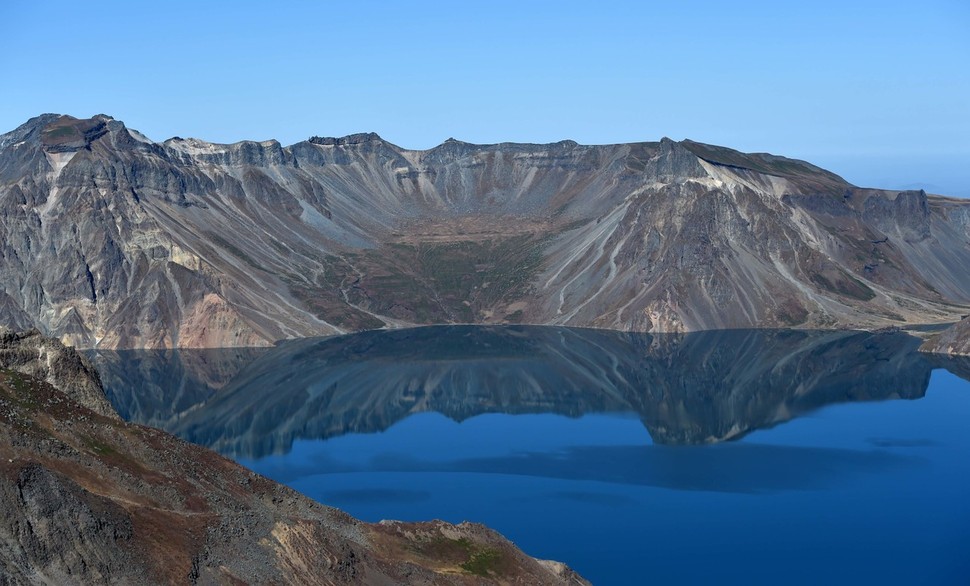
(953, 340)
(112, 240)
(86, 498)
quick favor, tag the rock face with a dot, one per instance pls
(88, 499)
(111, 240)
(953, 340)
(49, 360)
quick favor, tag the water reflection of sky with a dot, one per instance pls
(613, 450)
(591, 447)
(857, 492)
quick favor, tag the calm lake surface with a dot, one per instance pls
(756, 456)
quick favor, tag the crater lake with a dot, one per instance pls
(744, 456)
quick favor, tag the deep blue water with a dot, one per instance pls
(862, 493)
(848, 458)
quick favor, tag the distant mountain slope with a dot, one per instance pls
(108, 239)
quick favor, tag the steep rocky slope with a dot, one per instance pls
(953, 340)
(88, 499)
(112, 240)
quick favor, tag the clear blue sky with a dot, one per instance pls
(876, 91)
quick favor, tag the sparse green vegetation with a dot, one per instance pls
(424, 282)
(480, 561)
(791, 312)
(483, 562)
(450, 281)
(23, 395)
(61, 132)
(15, 378)
(97, 446)
(19, 400)
(325, 300)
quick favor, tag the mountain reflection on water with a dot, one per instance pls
(694, 388)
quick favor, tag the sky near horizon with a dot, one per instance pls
(878, 92)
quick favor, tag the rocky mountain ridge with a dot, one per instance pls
(88, 499)
(111, 240)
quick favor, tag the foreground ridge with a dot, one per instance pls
(112, 240)
(87, 498)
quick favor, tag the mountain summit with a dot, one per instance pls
(109, 239)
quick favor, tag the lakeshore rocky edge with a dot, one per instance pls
(88, 498)
(110, 240)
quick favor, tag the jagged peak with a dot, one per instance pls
(196, 146)
(350, 139)
(453, 143)
(65, 132)
(670, 145)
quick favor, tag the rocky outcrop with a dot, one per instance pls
(954, 340)
(86, 498)
(31, 353)
(54, 532)
(110, 240)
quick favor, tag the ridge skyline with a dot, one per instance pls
(863, 98)
(952, 187)
(371, 134)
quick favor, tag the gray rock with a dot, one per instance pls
(110, 240)
(31, 353)
(954, 340)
